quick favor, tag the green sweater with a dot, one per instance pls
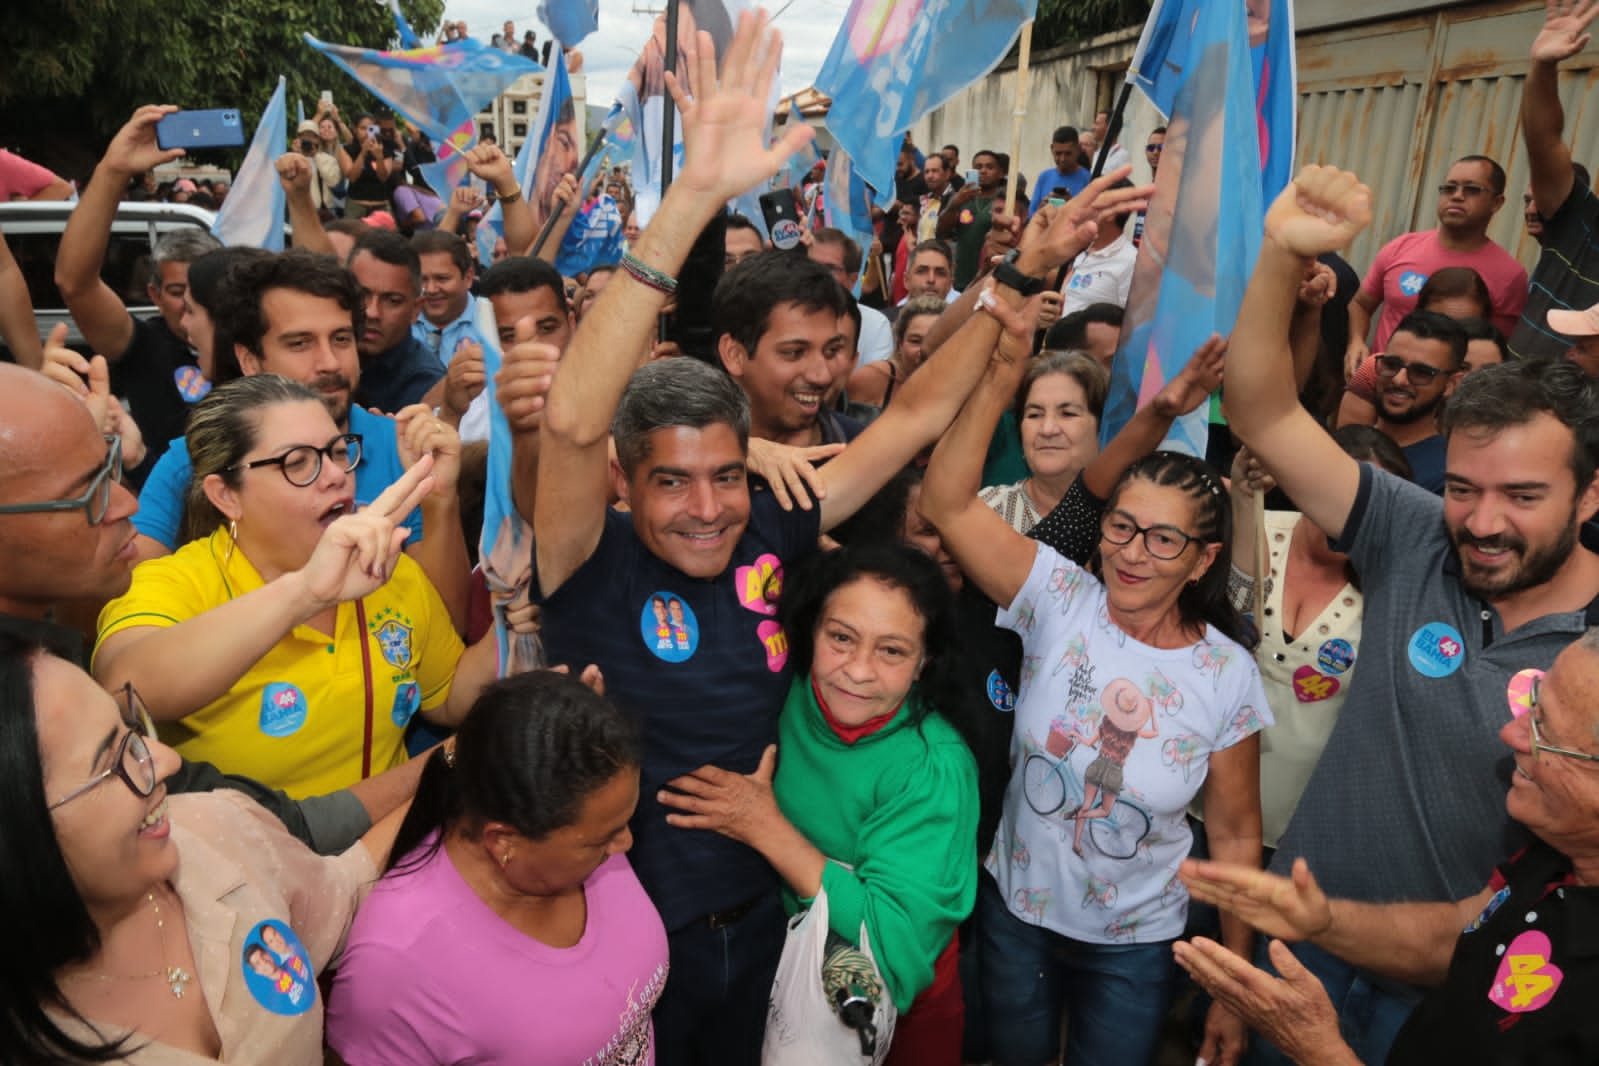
(896, 815)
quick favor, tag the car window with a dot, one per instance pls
(126, 269)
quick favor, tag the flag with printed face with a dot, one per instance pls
(894, 61)
(252, 215)
(553, 148)
(438, 89)
(595, 236)
(570, 21)
(1203, 227)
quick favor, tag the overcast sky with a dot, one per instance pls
(808, 29)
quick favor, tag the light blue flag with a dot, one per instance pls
(438, 90)
(847, 202)
(408, 38)
(1204, 224)
(252, 215)
(893, 61)
(552, 148)
(801, 162)
(505, 551)
(570, 21)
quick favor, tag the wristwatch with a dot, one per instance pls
(1007, 275)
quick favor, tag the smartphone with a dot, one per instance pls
(200, 129)
(1056, 201)
(327, 97)
(782, 221)
(971, 177)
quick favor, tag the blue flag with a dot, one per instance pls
(893, 61)
(408, 38)
(1203, 228)
(438, 90)
(847, 202)
(801, 162)
(252, 215)
(570, 21)
(553, 148)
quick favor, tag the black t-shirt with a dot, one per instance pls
(1566, 277)
(159, 377)
(1522, 981)
(367, 185)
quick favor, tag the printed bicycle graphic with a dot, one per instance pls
(1049, 785)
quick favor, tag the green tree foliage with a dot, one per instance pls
(1064, 21)
(72, 71)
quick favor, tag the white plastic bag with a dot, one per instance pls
(802, 1029)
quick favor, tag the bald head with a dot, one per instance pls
(51, 450)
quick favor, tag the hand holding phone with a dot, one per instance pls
(200, 129)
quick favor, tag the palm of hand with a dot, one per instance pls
(726, 151)
(1560, 38)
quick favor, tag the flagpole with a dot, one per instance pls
(1020, 111)
(595, 144)
(668, 109)
(1113, 130)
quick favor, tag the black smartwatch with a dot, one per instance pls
(1007, 275)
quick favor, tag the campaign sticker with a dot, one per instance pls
(1000, 694)
(775, 641)
(1410, 282)
(760, 584)
(1519, 691)
(277, 969)
(192, 385)
(1494, 904)
(407, 701)
(1335, 656)
(669, 627)
(1311, 687)
(283, 709)
(1526, 980)
(1436, 650)
(786, 234)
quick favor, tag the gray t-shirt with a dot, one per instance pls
(1408, 800)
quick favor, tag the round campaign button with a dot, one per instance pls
(999, 693)
(1519, 692)
(1436, 650)
(1335, 656)
(277, 969)
(669, 628)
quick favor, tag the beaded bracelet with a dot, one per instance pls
(647, 275)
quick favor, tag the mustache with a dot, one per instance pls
(330, 381)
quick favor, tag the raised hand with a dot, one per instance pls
(465, 379)
(1288, 908)
(790, 471)
(357, 553)
(419, 433)
(725, 151)
(1055, 236)
(294, 174)
(1194, 383)
(134, 149)
(1564, 29)
(1319, 286)
(566, 190)
(1321, 210)
(523, 382)
(486, 161)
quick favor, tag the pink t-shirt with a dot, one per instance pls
(431, 975)
(19, 178)
(1405, 263)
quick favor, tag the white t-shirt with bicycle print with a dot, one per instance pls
(1112, 741)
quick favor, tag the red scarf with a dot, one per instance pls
(849, 734)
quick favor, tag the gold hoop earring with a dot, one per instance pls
(233, 539)
(505, 859)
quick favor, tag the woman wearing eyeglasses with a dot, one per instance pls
(1137, 693)
(146, 925)
(289, 640)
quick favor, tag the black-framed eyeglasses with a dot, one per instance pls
(1534, 713)
(1389, 366)
(96, 499)
(133, 761)
(1449, 188)
(1162, 542)
(302, 464)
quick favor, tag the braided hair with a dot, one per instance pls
(1204, 602)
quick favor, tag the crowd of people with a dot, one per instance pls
(406, 659)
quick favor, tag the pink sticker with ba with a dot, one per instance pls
(759, 584)
(1313, 687)
(775, 641)
(1526, 980)
(1519, 691)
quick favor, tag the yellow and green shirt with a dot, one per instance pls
(297, 719)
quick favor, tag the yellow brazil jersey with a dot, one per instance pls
(298, 719)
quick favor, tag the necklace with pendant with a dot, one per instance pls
(176, 977)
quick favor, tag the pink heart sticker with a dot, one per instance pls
(1519, 691)
(1526, 980)
(776, 643)
(1313, 687)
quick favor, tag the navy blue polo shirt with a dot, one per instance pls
(702, 666)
